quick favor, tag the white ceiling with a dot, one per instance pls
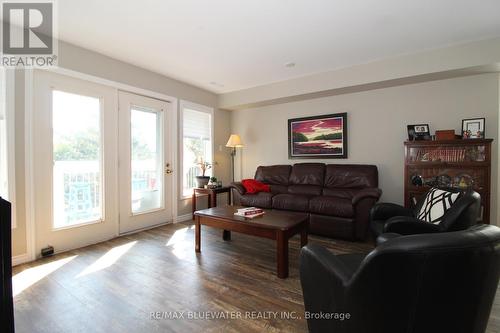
(245, 43)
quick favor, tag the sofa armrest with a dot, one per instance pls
(384, 211)
(405, 225)
(238, 187)
(373, 193)
(362, 203)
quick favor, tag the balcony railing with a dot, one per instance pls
(78, 192)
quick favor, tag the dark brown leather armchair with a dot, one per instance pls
(432, 283)
(338, 197)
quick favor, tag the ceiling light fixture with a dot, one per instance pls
(213, 83)
(290, 64)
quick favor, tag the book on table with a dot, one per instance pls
(249, 212)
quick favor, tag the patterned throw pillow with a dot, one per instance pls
(436, 203)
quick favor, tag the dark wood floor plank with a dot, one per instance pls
(161, 272)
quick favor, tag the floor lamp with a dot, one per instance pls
(233, 143)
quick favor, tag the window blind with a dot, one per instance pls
(196, 124)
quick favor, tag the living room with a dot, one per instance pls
(128, 145)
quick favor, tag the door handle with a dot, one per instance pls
(168, 171)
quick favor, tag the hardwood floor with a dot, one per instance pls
(141, 282)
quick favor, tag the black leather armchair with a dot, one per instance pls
(392, 218)
(432, 283)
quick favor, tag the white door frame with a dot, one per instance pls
(28, 128)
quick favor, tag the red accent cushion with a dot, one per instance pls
(253, 186)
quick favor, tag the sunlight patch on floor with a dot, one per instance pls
(179, 244)
(30, 276)
(178, 237)
(107, 259)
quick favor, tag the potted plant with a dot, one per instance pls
(202, 180)
(212, 183)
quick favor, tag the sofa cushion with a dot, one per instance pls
(351, 176)
(273, 174)
(261, 199)
(279, 189)
(335, 206)
(305, 189)
(326, 225)
(344, 193)
(307, 174)
(296, 202)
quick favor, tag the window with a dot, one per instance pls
(147, 159)
(197, 143)
(7, 162)
(77, 181)
(4, 187)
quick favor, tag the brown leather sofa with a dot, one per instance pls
(338, 197)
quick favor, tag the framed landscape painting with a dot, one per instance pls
(318, 137)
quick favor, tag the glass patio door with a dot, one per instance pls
(75, 135)
(101, 161)
(145, 169)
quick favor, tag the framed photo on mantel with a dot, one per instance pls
(318, 137)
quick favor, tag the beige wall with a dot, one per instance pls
(91, 63)
(377, 122)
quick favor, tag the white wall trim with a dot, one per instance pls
(28, 171)
(201, 108)
(183, 218)
(21, 259)
(113, 84)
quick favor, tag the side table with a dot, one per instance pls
(212, 195)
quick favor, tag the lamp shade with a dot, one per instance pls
(234, 141)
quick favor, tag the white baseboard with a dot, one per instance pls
(20, 259)
(183, 218)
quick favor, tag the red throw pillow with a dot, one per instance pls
(253, 186)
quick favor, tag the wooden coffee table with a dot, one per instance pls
(274, 224)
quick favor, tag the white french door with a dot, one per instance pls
(101, 161)
(145, 171)
(75, 139)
